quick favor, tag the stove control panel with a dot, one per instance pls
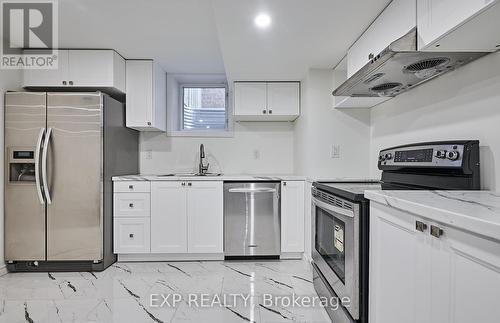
(424, 155)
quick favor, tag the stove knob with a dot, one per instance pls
(388, 156)
(381, 158)
(440, 154)
(453, 155)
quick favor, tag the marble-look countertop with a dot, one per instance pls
(223, 177)
(241, 177)
(474, 211)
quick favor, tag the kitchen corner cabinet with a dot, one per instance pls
(266, 101)
(292, 216)
(146, 96)
(187, 217)
(430, 272)
(450, 25)
(93, 69)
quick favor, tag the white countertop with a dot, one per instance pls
(223, 177)
(241, 177)
(474, 211)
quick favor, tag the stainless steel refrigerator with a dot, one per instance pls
(61, 150)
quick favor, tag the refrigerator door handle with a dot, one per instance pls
(44, 166)
(37, 166)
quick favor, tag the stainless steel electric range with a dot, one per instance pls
(340, 215)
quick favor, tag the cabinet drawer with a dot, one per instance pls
(132, 186)
(132, 204)
(131, 235)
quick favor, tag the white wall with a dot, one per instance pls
(463, 104)
(256, 148)
(320, 126)
(9, 80)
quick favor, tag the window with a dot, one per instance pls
(204, 108)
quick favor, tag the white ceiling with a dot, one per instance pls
(217, 36)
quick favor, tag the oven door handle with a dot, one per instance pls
(333, 208)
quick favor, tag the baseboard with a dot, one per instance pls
(170, 257)
(3, 270)
(291, 255)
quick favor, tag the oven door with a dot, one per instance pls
(336, 249)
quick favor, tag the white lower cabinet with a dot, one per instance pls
(186, 217)
(168, 217)
(131, 235)
(421, 271)
(292, 216)
(205, 217)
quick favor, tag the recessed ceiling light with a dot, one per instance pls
(262, 20)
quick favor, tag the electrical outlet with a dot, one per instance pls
(335, 151)
(256, 154)
(149, 154)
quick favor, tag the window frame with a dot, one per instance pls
(226, 132)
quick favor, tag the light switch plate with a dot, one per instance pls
(149, 154)
(335, 151)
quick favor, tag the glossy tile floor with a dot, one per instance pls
(123, 293)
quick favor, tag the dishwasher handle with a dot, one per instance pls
(252, 190)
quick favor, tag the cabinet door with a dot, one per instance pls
(393, 23)
(292, 216)
(448, 25)
(168, 217)
(205, 217)
(465, 277)
(283, 99)
(45, 77)
(399, 267)
(250, 98)
(131, 235)
(96, 68)
(139, 93)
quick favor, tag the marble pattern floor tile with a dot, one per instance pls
(122, 293)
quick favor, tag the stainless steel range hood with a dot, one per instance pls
(400, 67)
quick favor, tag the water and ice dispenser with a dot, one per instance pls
(21, 165)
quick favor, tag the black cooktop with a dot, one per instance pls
(353, 191)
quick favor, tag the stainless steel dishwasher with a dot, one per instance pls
(252, 220)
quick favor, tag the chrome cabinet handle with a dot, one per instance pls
(149, 123)
(371, 55)
(183, 184)
(70, 82)
(44, 166)
(37, 166)
(131, 205)
(264, 111)
(270, 111)
(420, 226)
(131, 235)
(64, 82)
(284, 183)
(131, 187)
(436, 231)
(190, 184)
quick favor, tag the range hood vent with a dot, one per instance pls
(400, 67)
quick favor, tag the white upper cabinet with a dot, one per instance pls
(146, 96)
(266, 101)
(48, 77)
(393, 23)
(283, 99)
(450, 25)
(292, 216)
(96, 68)
(93, 69)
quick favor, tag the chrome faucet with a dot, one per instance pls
(202, 169)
